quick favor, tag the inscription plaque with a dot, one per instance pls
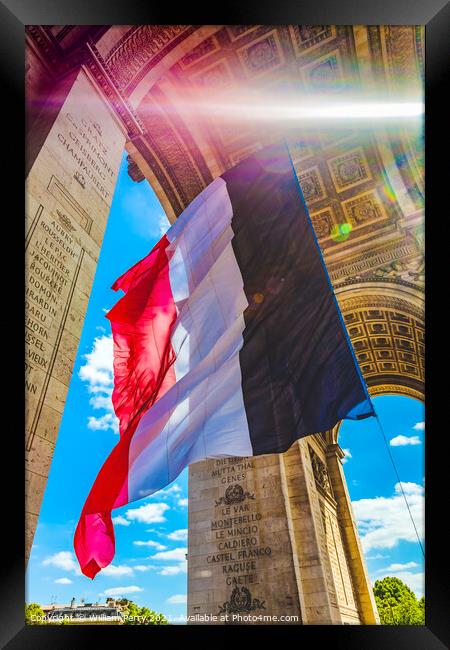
(239, 543)
(68, 196)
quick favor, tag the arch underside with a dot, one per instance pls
(371, 179)
(374, 180)
(387, 330)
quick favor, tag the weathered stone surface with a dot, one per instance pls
(272, 525)
(69, 192)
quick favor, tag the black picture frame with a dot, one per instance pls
(14, 15)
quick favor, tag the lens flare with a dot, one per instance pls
(387, 190)
(341, 231)
(286, 108)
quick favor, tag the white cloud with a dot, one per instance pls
(97, 373)
(100, 389)
(148, 514)
(173, 489)
(179, 535)
(155, 531)
(117, 571)
(98, 368)
(399, 567)
(174, 569)
(163, 224)
(183, 502)
(175, 554)
(122, 591)
(157, 545)
(403, 441)
(103, 423)
(385, 521)
(64, 560)
(101, 402)
(419, 426)
(377, 556)
(63, 581)
(409, 488)
(177, 599)
(120, 521)
(348, 455)
(144, 567)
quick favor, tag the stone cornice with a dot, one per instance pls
(123, 110)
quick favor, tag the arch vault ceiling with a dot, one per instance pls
(371, 179)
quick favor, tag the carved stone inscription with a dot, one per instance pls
(68, 195)
(53, 263)
(235, 531)
(240, 554)
(83, 142)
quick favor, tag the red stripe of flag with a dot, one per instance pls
(142, 323)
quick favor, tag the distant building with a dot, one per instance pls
(90, 613)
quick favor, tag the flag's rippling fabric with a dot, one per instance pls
(228, 342)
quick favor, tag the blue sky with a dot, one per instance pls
(149, 566)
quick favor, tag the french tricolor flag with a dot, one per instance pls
(228, 342)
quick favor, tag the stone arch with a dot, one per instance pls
(140, 75)
(386, 325)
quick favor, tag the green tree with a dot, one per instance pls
(397, 604)
(34, 614)
(135, 615)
